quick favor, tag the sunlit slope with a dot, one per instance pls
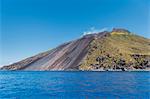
(120, 50)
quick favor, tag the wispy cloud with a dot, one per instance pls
(94, 30)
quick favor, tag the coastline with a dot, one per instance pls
(139, 70)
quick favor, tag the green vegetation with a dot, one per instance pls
(117, 51)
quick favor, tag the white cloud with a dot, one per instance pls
(94, 30)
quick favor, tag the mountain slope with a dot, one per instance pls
(115, 50)
(121, 50)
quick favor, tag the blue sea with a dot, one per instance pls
(74, 85)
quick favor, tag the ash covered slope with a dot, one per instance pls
(65, 57)
(116, 50)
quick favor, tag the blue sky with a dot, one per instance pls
(32, 26)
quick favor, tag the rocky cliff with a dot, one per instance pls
(116, 50)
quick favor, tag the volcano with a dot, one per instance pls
(118, 49)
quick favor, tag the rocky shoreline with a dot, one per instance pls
(100, 70)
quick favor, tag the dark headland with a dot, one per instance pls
(118, 50)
